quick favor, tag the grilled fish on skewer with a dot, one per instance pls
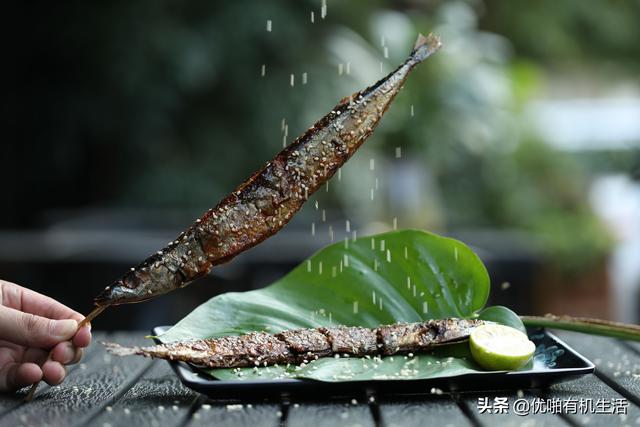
(262, 205)
(300, 345)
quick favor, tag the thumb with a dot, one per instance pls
(34, 331)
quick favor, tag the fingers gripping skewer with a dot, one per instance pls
(84, 322)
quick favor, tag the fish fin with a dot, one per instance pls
(119, 350)
(425, 47)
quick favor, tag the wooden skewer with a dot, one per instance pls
(84, 322)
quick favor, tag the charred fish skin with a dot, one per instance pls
(423, 336)
(304, 345)
(266, 202)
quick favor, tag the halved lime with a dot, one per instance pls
(498, 347)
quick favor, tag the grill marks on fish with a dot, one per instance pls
(262, 205)
(304, 345)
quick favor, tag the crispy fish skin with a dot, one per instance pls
(252, 349)
(303, 345)
(262, 205)
(307, 344)
(423, 336)
(352, 340)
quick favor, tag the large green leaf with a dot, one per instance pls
(401, 276)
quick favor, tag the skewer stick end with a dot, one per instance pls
(31, 393)
(94, 313)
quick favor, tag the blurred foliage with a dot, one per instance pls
(162, 104)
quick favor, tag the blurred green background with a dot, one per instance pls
(521, 137)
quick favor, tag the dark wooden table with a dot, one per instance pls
(107, 391)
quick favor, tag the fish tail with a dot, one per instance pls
(425, 47)
(119, 350)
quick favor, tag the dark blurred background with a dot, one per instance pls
(127, 119)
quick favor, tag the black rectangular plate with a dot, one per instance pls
(554, 362)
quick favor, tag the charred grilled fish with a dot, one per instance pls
(262, 205)
(302, 345)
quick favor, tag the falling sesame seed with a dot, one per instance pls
(348, 68)
(323, 9)
(340, 68)
(355, 307)
(269, 25)
(313, 18)
(395, 223)
(304, 78)
(313, 228)
(425, 307)
(505, 285)
(292, 80)
(386, 52)
(398, 152)
(372, 164)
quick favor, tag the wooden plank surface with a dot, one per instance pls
(615, 362)
(355, 412)
(617, 372)
(592, 388)
(223, 414)
(157, 399)
(85, 393)
(437, 410)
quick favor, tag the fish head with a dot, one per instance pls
(137, 285)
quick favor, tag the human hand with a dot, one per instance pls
(31, 325)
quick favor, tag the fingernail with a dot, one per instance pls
(64, 328)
